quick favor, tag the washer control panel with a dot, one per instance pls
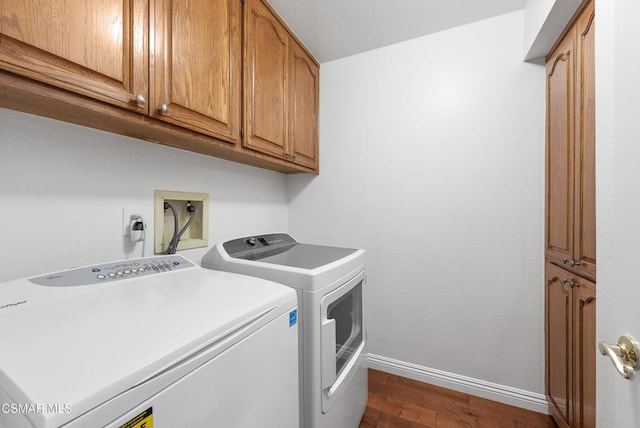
(250, 246)
(113, 271)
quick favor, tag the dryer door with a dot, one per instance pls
(342, 337)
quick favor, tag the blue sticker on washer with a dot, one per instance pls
(293, 317)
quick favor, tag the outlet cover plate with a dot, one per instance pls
(197, 235)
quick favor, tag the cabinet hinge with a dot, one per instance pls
(242, 127)
(243, 1)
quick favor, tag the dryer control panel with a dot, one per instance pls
(113, 271)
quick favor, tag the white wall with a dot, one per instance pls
(432, 157)
(617, 201)
(605, 199)
(62, 189)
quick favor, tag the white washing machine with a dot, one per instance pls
(155, 341)
(330, 283)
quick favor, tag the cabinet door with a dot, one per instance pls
(304, 94)
(196, 65)
(266, 73)
(585, 159)
(584, 331)
(98, 48)
(560, 143)
(558, 325)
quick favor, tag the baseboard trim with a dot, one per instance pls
(492, 391)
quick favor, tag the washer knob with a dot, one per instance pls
(251, 241)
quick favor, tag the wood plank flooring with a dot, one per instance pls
(397, 402)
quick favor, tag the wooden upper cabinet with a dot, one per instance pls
(196, 69)
(282, 82)
(570, 181)
(266, 74)
(97, 48)
(585, 165)
(560, 150)
(304, 93)
(212, 73)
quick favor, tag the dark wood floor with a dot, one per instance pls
(404, 403)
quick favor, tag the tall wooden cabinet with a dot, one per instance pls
(570, 225)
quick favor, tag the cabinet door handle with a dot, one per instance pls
(164, 109)
(140, 100)
(328, 352)
(570, 262)
(624, 355)
(571, 282)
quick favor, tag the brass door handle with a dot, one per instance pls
(624, 355)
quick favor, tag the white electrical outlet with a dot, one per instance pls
(128, 216)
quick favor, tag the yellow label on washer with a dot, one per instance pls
(143, 420)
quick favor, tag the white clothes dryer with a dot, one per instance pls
(155, 341)
(330, 284)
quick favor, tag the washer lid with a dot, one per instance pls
(306, 256)
(82, 350)
(281, 259)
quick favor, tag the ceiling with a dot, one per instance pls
(333, 29)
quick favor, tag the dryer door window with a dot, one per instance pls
(347, 313)
(342, 337)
